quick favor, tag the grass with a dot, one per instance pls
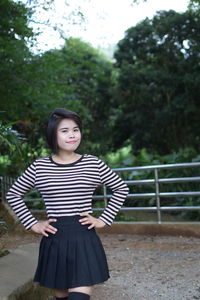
(4, 252)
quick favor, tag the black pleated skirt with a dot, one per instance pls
(72, 257)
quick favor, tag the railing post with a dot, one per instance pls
(4, 186)
(157, 196)
(104, 196)
(1, 188)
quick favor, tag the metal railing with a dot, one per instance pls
(157, 194)
(156, 181)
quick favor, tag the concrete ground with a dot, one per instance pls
(16, 271)
(141, 268)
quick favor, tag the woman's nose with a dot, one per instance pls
(71, 134)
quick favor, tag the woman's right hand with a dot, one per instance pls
(43, 227)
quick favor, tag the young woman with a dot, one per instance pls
(71, 256)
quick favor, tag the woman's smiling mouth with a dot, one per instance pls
(71, 142)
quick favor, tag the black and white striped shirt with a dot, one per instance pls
(67, 189)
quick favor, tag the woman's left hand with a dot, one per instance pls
(97, 223)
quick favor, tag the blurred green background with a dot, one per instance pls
(139, 108)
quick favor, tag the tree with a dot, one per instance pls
(77, 77)
(14, 56)
(194, 6)
(82, 78)
(159, 83)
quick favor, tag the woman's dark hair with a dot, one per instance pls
(54, 119)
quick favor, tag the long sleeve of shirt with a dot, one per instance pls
(67, 189)
(119, 192)
(22, 185)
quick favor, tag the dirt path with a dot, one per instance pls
(141, 267)
(151, 268)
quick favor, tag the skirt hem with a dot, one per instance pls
(73, 285)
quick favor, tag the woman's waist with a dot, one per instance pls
(65, 219)
(70, 226)
(69, 222)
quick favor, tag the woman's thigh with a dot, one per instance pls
(60, 293)
(82, 289)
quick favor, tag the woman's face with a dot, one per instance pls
(68, 135)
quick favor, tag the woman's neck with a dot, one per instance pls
(65, 157)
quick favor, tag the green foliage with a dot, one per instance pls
(10, 143)
(9, 139)
(194, 5)
(16, 152)
(4, 252)
(36, 205)
(15, 163)
(14, 56)
(77, 77)
(159, 83)
(88, 78)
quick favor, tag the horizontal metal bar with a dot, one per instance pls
(153, 167)
(140, 195)
(38, 210)
(96, 197)
(139, 208)
(163, 208)
(180, 208)
(148, 208)
(162, 180)
(172, 194)
(180, 179)
(102, 209)
(144, 181)
(98, 209)
(180, 194)
(44, 211)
